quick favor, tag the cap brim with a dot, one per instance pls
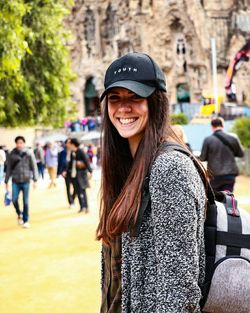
(140, 89)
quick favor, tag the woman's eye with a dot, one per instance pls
(117, 98)
(136, 97)
(113, 98)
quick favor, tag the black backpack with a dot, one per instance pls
(227, 247)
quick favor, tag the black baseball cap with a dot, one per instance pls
(137, 72)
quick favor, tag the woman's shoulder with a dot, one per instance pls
(173, 159)
(175, 177)
(174, 165)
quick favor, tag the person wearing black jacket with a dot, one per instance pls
(62, 169)
(78, 168)
(220, 150)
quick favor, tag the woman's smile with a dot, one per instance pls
(127, 121)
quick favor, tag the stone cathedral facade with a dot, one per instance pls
(176, 33)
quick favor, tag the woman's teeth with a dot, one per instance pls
(126, 121)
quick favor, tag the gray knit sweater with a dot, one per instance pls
(162, 267)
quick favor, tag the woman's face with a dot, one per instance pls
(128, 113)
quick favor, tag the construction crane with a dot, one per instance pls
(234, 65)
(208, 101)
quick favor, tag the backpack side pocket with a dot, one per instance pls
(230, 286)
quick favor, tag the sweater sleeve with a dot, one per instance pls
(178, 202)
(239, 149)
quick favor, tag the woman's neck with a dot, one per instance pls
(134, 143)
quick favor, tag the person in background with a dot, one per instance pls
(62, 158)
(220, 150)
(21, 166)
(91, 123)
(84, 123)
(94, 158)
(2, 161)
(63, 161)
(179, 131)
(152, 198)
(7, 152)
(90, 153)
(39, 155)
(98, 155)
(98, 121)
(51, 161)
(78, 169)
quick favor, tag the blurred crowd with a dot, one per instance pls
(75, 162)
(88, 123)
(53, 157)
(71, 160)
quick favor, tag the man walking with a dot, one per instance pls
(21, 166)
(220, 150)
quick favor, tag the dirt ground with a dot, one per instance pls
(54, 267)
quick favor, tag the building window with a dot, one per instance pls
(182, 93)
(91, 99)
(181, 53)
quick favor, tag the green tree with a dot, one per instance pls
(242, 128)
(13, 47)
(35, 69)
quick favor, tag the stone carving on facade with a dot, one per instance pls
(176, 33)
(89, 31)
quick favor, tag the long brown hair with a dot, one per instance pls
(122, 175)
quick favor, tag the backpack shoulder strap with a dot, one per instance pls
(224, 141)
(145, 202)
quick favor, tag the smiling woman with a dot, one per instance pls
(153, 249)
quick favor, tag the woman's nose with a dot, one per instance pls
(124, 107)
